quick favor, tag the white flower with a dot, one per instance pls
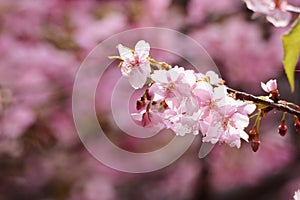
(135, 65)
(276, 13)
(297, 195)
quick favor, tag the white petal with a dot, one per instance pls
(262, 6)
(146, 69)
(137, 78)
(249, 108)
(213, 77)
(244, 135)
(124, 52)
(159, 76)
(174, 74)
(190, 77)
(220, 92)
(264, 87)
(125, 69)
(279, 18)
(142, 49)
(240, 121)
(137, 116)
(213, 134)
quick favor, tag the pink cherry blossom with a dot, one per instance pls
(195, 102)
(275, 11)
(225, 118)
(172, 102)
(135, 65)
(235, 121)
(174, 82)
(227, 123)
(183, 124)
(270, 86)
(188, 102)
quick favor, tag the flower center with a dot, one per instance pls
(277, 3)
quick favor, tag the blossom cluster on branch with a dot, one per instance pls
(190, 102)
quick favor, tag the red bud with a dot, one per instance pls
(140, 105)
(148, 96)
(255, 145)
(254, 139)
(282, 129)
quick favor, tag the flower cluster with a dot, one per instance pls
(185, 101)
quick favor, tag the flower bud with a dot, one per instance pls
(282, 128)
(148, 96)
(140, 104)
(146, 119)
(255, 145)
(254, 139)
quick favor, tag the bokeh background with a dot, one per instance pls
(43, 43)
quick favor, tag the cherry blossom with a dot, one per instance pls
(185, 101)
(235, 120)
(270, 86)
(183, 123)
(188, 102)
(135, 65)
(172, 101)
(297, 195)
(43, 43)
(275, 11)
(226, 118)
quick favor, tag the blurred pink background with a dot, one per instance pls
(43, 43)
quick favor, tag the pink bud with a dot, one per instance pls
(270, 86)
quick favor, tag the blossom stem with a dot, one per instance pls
(249, 97)
(283, 117)
(160, 65)
(250, 117)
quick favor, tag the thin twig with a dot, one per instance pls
(249, 97)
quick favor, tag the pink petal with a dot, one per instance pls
(272, 85)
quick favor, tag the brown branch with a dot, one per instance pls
(270, 103)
